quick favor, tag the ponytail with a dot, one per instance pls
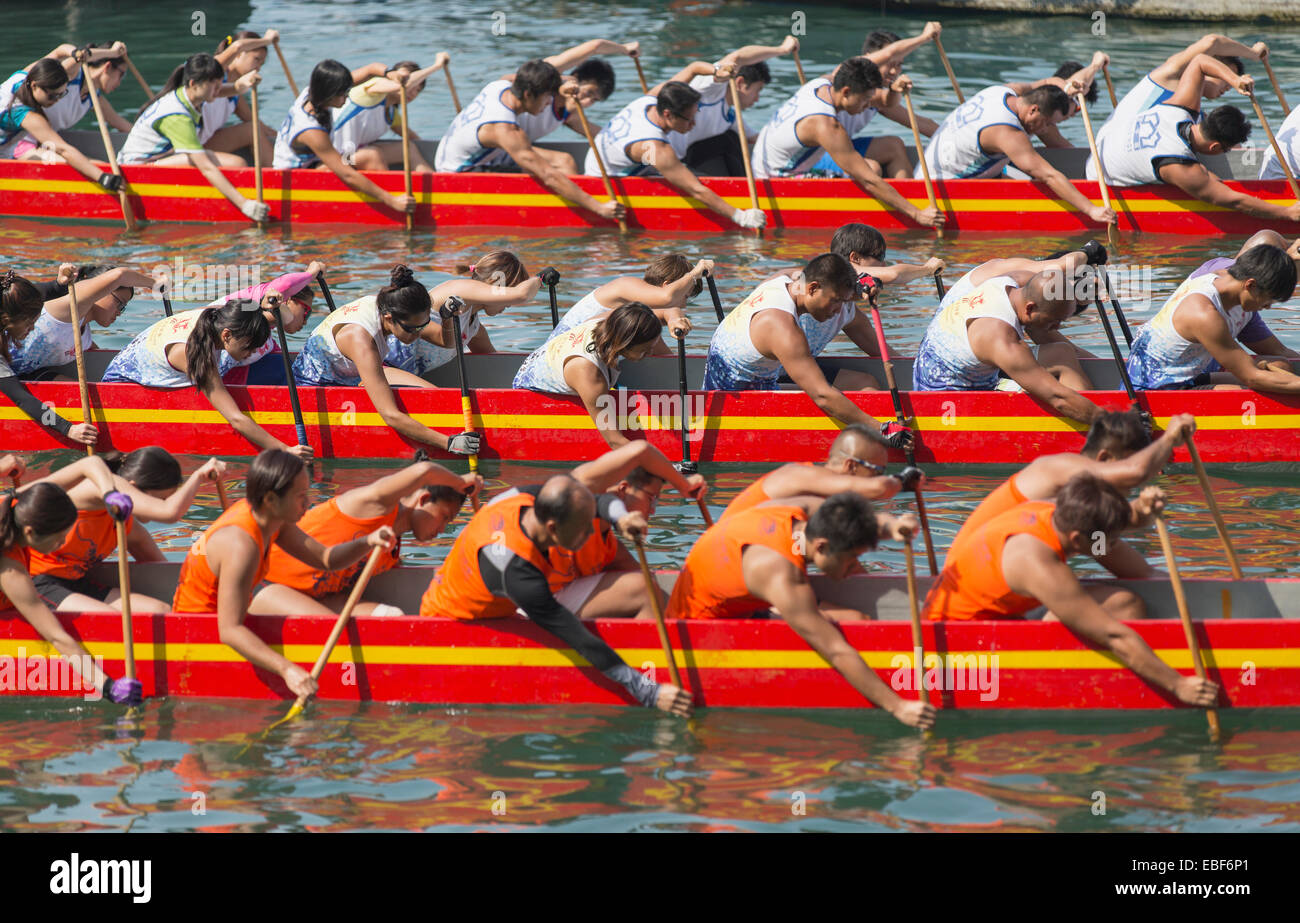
(20, 305)
(500, 267)
(244, 321)
(198, 68)
(44, 508)
(404, 297)
(329, 79)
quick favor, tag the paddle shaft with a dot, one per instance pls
(167, 304)
(124, 584)
(1112, 229)
(144, 84)
(798, 67)
(285, 64)
(257, 149)
(1176, 582)
(600, 161)
(221, 494)
(913, 600)
(1277, 88)
(1213, 504)
(943, 56)
(465, 409)
(81, 359)
(298, 423)
(1114, 349)
(640, 74)
(451, 87)
(713, 293)
(325, 290)
(1110, 87)
(1277, 151)
(652, 588)
(555, 307)
(688, 466)
(939, 287)
(128, 213)
(406, 153)
(920, 154)
(744, 149)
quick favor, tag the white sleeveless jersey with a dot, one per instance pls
(1130, 149)
(1288, 139)
(1161, 357)
(778, 150)
(945, 360)
(587, 308)
(363, 119)
(145, 142)
(9, 132)
(714, 116)
(954, 151)
(734, 363)
(215, 116)
(51, 343)
(627, 128)
(287, 155)
(539, 126)
(543, 370)
(460, 148)
(69, 110)
(321, 362)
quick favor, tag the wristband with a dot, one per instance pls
(617, 510)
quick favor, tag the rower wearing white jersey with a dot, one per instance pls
(1022, 268)
(350, 347)
(105, 64)
(373, 108)
(239, 54)
(1197, 338)
(669, 282)
(1165, 143)
(814, 121)
(636, 142)
(166, 133)
(1288, 139)
(486, 135)
(304, 140)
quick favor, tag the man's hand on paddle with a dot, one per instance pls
(679, 325)
(1149, 502)
(899, 528)
(214, 469)
(634, 526)
(697, 487)
(914, 713)
(299, 681)
(12, 467)
(1181, 426)
(674, 701)
(383, 537)
(1192, 690)
(473, 484)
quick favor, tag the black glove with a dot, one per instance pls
(110, 181)
(451, 307)
(464, 443)
(549, 276)
(1096, 253)
(910, 477)
(895, 435)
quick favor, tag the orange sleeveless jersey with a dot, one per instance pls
(197, 589)
(747, 499)
(596, 554)
(1007, 496)
(329, 525)
(712, 582)
(91, 540)
(457, 590)
(972, 586)
(23, 556)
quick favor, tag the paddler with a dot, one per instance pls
(761, 339)
(668, 283)
(103, 63)
(816, 121)
(239, 54)
(232, 556)
(486, 135)
(1200, 338)
(350, 347)
(373, 109)
(290, 295)
(420, 499)
(190, 348)
(1024, 268)
(37, 518)
(757, 561)
(1018, 560)
(501, 563)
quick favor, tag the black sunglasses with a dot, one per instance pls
(874, 469)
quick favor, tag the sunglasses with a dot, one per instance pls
(874, 469)
(411, 328)
(57, 96)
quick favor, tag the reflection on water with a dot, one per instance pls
(405, 768)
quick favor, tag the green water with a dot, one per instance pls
(69, 766)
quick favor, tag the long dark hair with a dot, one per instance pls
(46, 508)
(244, 321)
(20, 302)
(499, 267)
(150, 468)
(404, 297)
(626, 326)
(48, 74)
(329, 78)
(198, 68)
(272, 471)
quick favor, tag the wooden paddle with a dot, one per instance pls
(1213, 504)
(285, 64)
(713, 294)
(1110, 87)
(325, 290)
(135, 72)
(652, 588)
(645, 87)
(451, 87)
(81, 356)
(1112, 228)
(124, 585)
(1110, 337)
(901, 417)
(913, 600)
(299, 425)
(1277, 151)
(925, 167)
(600, 161)
(948, 67)
(1277, 88)
(453, 305)
(128, 213)
(221, 494)
(339, 624)
(406, 152)
(687, 466)
(1176, 581)
(257, 151)
(744, 149)
(798, 67)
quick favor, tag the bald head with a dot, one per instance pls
(564, 500)
(856, 441)
(1047, 299)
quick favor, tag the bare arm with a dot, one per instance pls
(306, 549)
(1015, 144)
(905, 46)
(824, 131)
(1200, 182)
(235, 556)
(239, 421)
(493, 297)
(90, 468)
(572, 57)
(797, 480)
(512, 140)
(141, 546)
(318, 141)
(355, 343)
(1205, 326)
(664, 159)
(593, 390)
(380, 497)
(996, 342)
(902, 273)
(39, 128)
(863, 335)
(603, 472)
(1213, 44)
(898, 113)
(792, 351)
(151, 509)
(203, 162)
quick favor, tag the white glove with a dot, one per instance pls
(254, 210)
(750, 218)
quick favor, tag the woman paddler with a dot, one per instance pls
(238, 54)
(420, 499)
(586, 362)
(228, 561)
(188, 348)
(304, 140)
(166, 133)
(37, 519)
(668, 283)
(498, 280)
(151, 477)
(350, 347)
(292, 296)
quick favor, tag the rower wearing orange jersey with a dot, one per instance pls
(1017, 561)
(232, 557)
(854, 463)
(151, 477)
(1118, 449)
(420, 499)
(758, 561)
(36, 518)
(501, 563)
